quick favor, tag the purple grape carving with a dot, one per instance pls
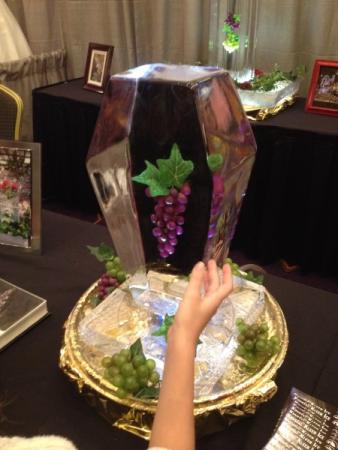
(168, 186)
(169, 223)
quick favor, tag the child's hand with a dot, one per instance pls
(196, 308)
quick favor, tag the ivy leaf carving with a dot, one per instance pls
(152, 178)
(175, 170)
(171, 172)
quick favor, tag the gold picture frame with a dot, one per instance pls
(20, 196)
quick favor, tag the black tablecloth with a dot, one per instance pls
(41, 400)
(290, 210)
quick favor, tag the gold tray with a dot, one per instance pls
(212, 413)
(258, 113)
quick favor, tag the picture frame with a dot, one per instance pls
(98, 64)
(20, 196)
(323, 91)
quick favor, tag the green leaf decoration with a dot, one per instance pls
(164, 328)
(152, 178)
(171, 172)
(175, 170)
(148, 392)
(136, 348)
(94, 301)
(103, 252)
(215, 161)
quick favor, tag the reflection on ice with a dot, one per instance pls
(139, 309)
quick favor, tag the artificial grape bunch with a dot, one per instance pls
(106, 285)
(255, 347)
(168, 218)
(110, 280)
(131, 374)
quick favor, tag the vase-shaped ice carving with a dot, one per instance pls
(156, 121)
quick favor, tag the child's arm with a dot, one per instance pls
(173, 426)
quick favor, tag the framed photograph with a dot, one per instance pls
(323, 92)
(98, 66)
(20, 196)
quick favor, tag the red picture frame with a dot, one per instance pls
(99, 58)
(323, 92)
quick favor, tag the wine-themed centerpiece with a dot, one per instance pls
(169, 161)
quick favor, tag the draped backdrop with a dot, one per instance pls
(289, 32)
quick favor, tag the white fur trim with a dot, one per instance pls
(36, 443)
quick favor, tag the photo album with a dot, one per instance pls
(19, 310)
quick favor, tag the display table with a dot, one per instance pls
(290, 210)
(64, 117)
(41, 400)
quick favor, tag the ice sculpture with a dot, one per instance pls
(172, 113)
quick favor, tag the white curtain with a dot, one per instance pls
(289, 32)
(294, 32)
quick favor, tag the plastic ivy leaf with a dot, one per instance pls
(148, 392)
(136, 348)
(152, 178)
(171, 172)
(174, 170)
(164, 328)
(103, 252)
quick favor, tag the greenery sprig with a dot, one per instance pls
(267, 81)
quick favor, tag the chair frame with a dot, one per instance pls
(19, 104)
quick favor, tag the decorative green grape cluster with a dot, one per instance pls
(114, 276)
(132, 373)
(115, 270)
(254, 345)
(249, 276)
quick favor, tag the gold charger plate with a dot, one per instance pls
(212, 413)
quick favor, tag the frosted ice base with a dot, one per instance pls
(138, 309)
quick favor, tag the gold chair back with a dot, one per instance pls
(11, 108)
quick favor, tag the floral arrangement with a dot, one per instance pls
(267, 81)
(231, 28)
(9, 188)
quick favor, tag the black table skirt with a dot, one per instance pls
(41, 400)
(291, 207)
(64, 118)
